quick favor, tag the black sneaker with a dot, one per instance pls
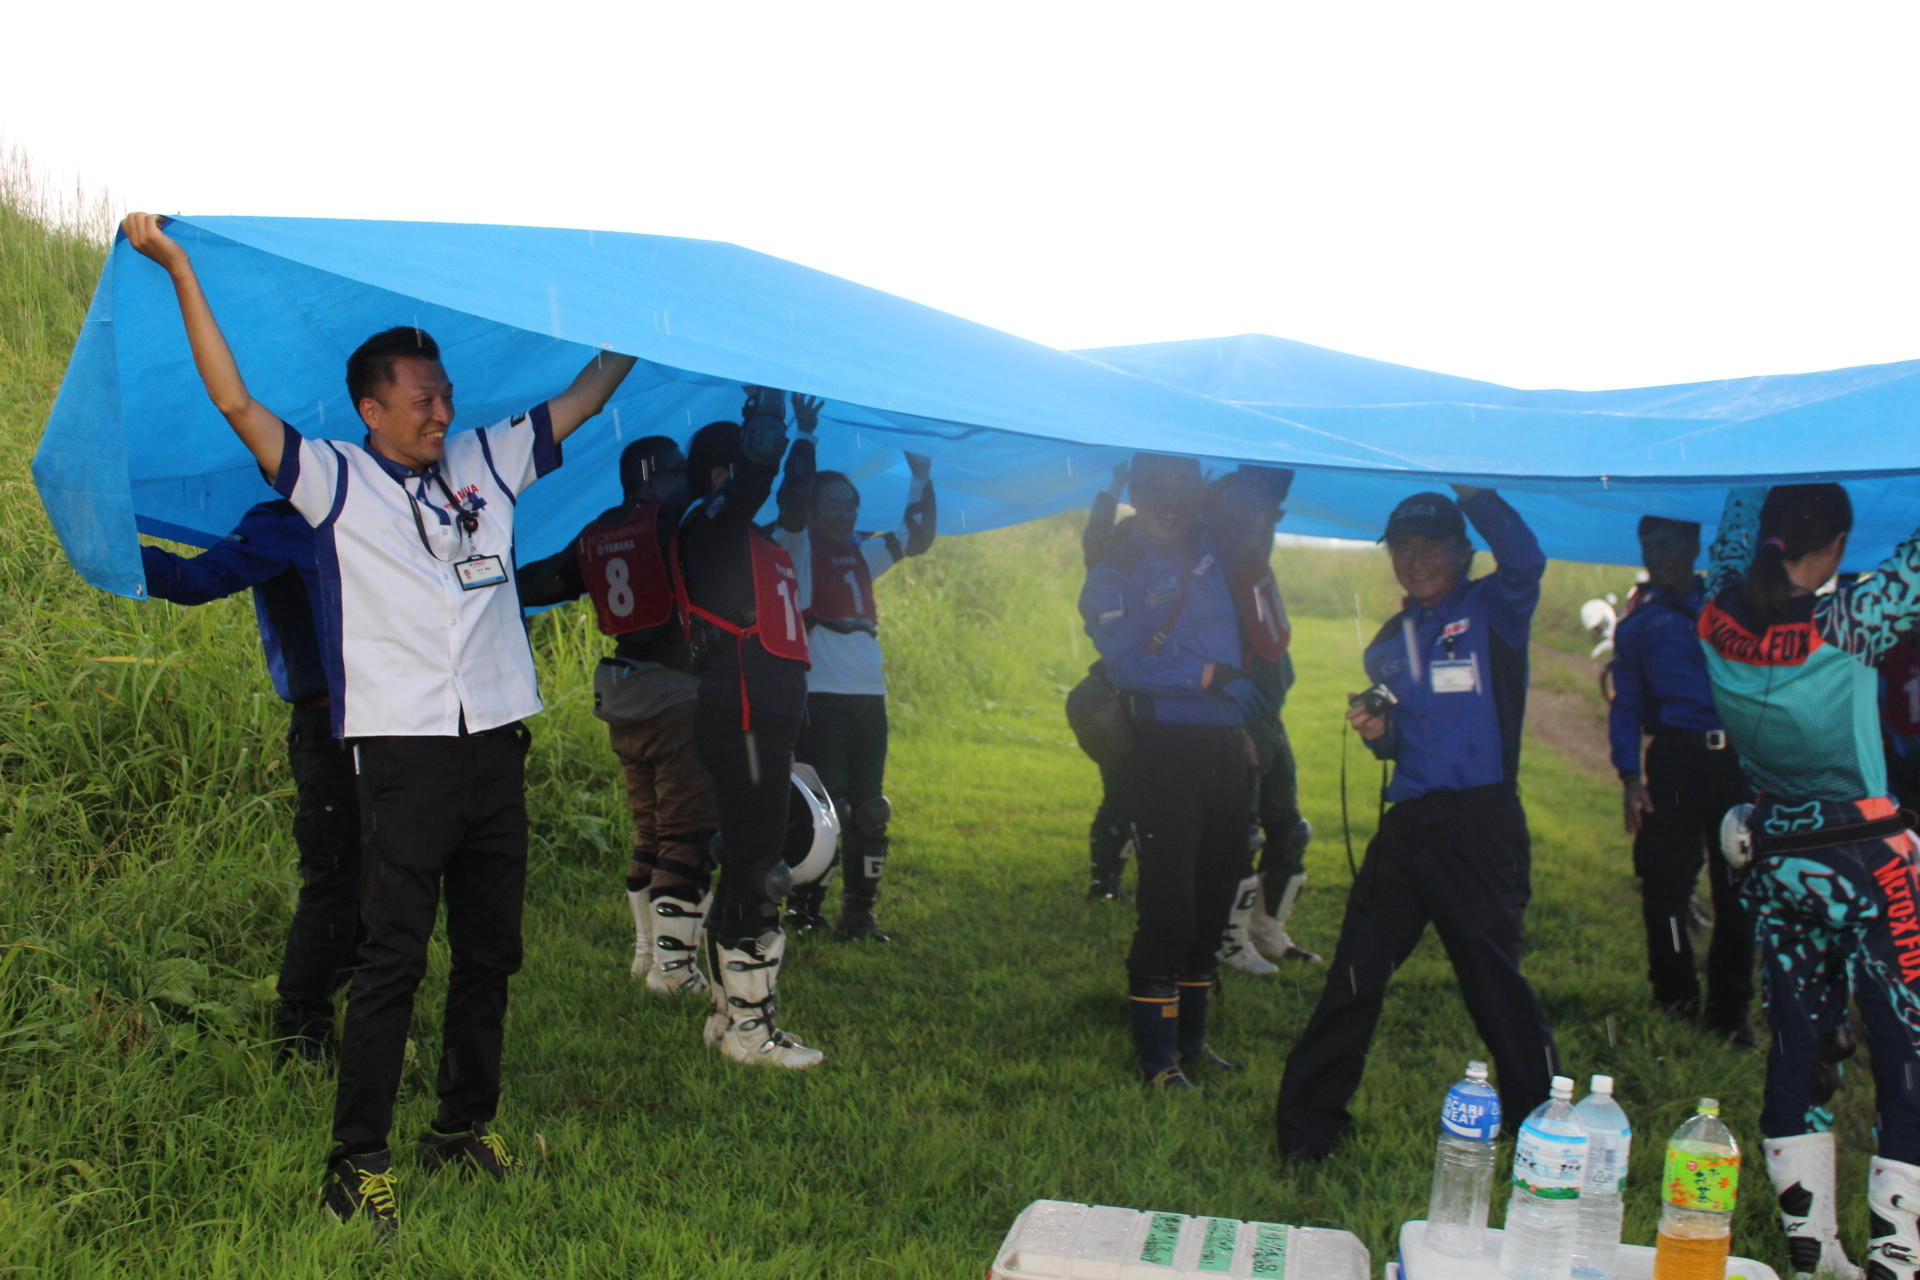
(469, 1152)
(362, 1185)
(1107, 889)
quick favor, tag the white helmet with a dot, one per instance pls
(813, 829)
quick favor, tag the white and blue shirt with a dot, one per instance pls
(411, 653)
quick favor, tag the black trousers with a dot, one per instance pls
(437, 813)
(1691, 789)
(1279, 813)
(1107, 836)
(753, 779)
(325, 932)
(1463, 862)
(1188, 788)
(845, 740)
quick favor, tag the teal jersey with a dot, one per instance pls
(1800, 698)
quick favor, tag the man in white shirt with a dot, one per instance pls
(845, 736)
(429, 675)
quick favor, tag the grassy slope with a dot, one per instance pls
(977, 1064)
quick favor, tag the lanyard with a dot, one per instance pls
(467, 519)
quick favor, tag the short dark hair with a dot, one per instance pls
(1650, 525)
(639, 460)
(835, 477)
(370, 367)
(1795, 520)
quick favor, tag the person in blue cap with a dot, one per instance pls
(1160, 610)
(1450, 689)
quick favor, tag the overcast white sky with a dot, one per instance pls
(1537, 193)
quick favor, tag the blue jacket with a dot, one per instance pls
(1659, 674)
(270, 550)
(1130, 596)
(1472, 644)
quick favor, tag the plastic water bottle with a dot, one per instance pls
(1702, 1181)
(1463, 1166)
(1549, 1160)
(1609, 1138)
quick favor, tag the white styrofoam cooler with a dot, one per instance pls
(1632, 1262)
(1062, 1240)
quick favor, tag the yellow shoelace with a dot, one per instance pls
(499, 1150)
(377, 1189)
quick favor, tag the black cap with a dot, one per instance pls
(1431, 515)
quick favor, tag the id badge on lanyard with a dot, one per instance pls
(478, 571)
(1451, 674)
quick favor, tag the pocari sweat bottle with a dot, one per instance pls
(1463, 1166)
(1549, 1161)
(1609, 1137)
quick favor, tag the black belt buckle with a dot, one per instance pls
(1714, 739)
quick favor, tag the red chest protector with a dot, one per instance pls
(624, 571)
(1264, 628)
(776, 610)
(842, 588)
(1900, 689)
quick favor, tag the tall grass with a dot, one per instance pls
(976, 1064)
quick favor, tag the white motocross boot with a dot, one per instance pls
(1236, 948)
(676, 946)
(1269, 932)
(742, 1027)
(1802, 1169)
(642, 943)
(1893, 1200)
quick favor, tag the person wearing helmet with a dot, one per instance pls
(738, 592)
(1672, 802)
(1450, 685)
(845, 735)
(1160, 610)
(1831, 881)
(645, 692)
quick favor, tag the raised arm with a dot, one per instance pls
(1732, 549)
(795, 500)
(1519, 562)
(257, 426)
(918, 524)
(1097, 538)
(589, 394)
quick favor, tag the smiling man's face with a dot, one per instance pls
(409, 415)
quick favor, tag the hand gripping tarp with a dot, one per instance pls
(1016, 430)
(1582, 466)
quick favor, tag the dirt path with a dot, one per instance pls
(1565, 710)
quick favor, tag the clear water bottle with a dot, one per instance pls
(1609, 1138)
(1549, 1161)
(1702, 1182)
(1463, 1166)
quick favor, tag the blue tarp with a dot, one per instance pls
(1016, 430)
(1583, 466)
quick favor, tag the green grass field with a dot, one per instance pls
(977, 1064)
